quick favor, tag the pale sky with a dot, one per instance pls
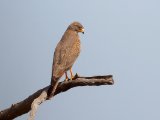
(122, 38)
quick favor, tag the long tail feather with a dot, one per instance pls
(52, 88)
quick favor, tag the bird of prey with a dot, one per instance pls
(66, 53)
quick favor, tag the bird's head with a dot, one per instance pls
(76, 26)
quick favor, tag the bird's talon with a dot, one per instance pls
(66, 79)
(76, 76)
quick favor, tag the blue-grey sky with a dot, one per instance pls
(122, 38)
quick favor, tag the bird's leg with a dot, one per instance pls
(66, 79)
(72, 76)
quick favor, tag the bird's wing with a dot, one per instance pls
(63, 49)
(59, 54)
(58, 60)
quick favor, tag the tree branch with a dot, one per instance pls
(25, 106)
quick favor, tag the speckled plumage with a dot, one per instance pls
(66, 53)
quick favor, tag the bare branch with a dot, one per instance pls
(35, 105)
(24, 106)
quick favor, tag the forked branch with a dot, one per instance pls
(40, 96)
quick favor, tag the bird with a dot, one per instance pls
(65, 55)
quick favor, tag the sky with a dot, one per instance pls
(122, 38)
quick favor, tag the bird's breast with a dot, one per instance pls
(76, 47)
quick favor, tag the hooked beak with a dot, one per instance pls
(82, 30)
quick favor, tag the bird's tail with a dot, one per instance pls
(52, 88)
